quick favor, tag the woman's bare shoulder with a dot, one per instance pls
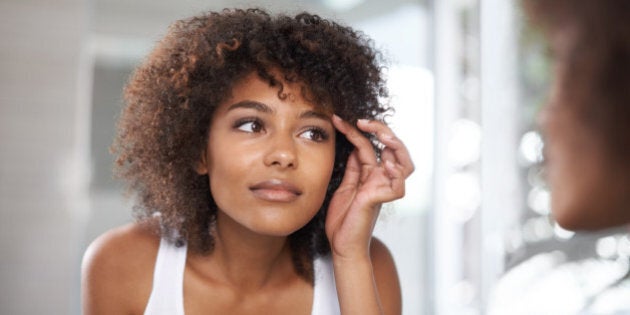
(132, 243)
(386, 277)
(117, 270)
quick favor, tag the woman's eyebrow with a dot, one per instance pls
(261, 107)
(314, 114)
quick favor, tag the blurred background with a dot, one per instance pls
(467, 78)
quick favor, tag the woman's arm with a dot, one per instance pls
(365, 273)
(117, 271)
(369, 286)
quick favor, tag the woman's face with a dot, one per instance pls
(269, 160)
(588, 191)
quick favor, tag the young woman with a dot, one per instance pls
(255, 148)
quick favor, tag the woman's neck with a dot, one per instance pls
(247, 260)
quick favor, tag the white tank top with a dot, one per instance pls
(167, 294)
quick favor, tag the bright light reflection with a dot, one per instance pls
(606, 247)
(411, 89)
(531, 147)
(539, 200)
(464, 143)
(463, 195)
(562, 233)
(463, 292)
(623, 246)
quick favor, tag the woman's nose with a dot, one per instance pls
(281, 152)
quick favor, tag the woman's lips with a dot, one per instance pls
(276, 191)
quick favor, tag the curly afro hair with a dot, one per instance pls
(171, 97)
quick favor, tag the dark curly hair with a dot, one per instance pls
(171, 97)
(597, 65)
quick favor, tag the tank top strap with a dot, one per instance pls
(168, 280)
(325, 301)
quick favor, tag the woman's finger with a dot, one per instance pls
(387, 183)
(365, 150)
(386, 136)
(395, 173)
(388, 155)
(352, 174)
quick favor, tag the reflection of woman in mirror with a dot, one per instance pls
(256, 193)
(587, 126)
(586, 123)
(587, 120)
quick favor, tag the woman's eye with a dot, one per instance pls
(315, 134)
(250, 126)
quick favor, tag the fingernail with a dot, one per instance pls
(363, 121)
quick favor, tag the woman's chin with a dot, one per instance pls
(588, 212)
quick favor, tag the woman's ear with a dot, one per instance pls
(201, 167)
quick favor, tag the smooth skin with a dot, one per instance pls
(589, 190)
(276, 156)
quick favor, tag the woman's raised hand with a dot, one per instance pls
(366, 185)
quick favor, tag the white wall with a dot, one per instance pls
(39, 79)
